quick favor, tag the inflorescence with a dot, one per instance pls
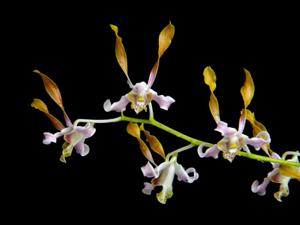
(234, 142)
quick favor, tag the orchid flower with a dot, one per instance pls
(74, 136)
(163, 175)
(281, 174)
(233, 140)
(141, 94)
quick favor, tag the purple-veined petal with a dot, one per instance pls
(223, 128)
(119, 106)
(82, 149)
(164, 102)
(211, 152)
(148, 188)
(183, 175)
(49, 138)
(257, 143)
(148, 170)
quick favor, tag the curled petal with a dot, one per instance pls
(82, 149)
(148, 170)
(164, 102)
(211, 152)
(260, 189)
(283, 192)
(223, 128)
(49, 138)
(119, 106)
(183, 175)
(148, 188)
(66, 152)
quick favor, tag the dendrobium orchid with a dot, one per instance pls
(163, 175)
(280, 174)
(233, 140)
(141, 94)
(74, 136)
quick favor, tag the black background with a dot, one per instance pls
(76, 49)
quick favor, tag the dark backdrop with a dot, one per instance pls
(76, 50)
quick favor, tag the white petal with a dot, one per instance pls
(49, 138)
(119, 106)
(148, 188)
(183, 175)
(87, 131)
(226, 131)
(164, 102)
(211, 152)
(82, 149)
(148, 170)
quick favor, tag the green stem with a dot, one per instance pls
(196, 142)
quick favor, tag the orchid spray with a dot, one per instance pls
(234, 142)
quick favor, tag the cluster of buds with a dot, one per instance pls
(233, 143)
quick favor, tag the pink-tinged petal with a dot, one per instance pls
(148, 170)
(183, 175)
(49, 138)
(82, 149)
(257, 143)
(260, 189)
(211, 152)
(223, 128)
(119, 106)
(148, 188)
(242, 122)
(87, 131)
(164, 102)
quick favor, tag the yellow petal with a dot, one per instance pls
(214, 107)
(248, 88)
(165, 39)
(145, 150)
(256, 128)
(289, 171)
(256, 125)
(134, 130)
(40, 105)
(154, 143)
(120, 52)
(51, 88)
(66, 152)
(210, 78)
